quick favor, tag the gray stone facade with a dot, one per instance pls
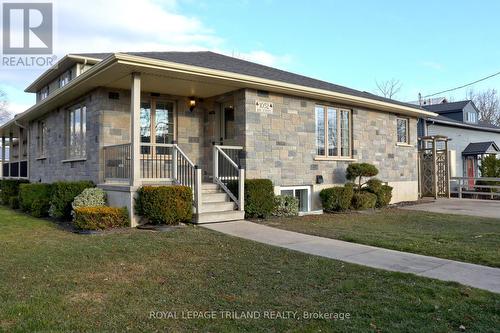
(282, 146)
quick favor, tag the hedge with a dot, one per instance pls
(363, 200)
(165, 204)
(63, 195)
(35, 198)
(337, 199)
(285, 205)
(383, 192)
(259, 198)
(9, 188)
(100, 218)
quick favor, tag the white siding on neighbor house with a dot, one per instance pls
(460, 139)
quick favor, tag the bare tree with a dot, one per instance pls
(488, 103)
(4, 112)
(388, 88)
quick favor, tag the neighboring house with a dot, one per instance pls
(471, 139)
(127, 119)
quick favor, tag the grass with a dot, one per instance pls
(53, 280)
(464, 238)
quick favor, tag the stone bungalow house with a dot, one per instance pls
(205, 120)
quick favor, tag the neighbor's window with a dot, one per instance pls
(77, 128)
(333, 132)
(402, 130)
(471, 117)
(41, 138)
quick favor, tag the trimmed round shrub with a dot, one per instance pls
(63, 196)
(356, 171)
(10, 188)
(363, 200)
(35, 198)
(337, 199)
(383, 192)
(100, 218)
(259, 198)
(285, 205)
(90, 197)
(165, 204)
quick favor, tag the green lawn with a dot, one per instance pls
(53, 280)
(464, 238)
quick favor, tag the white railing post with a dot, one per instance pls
(216, 164)
(241, 189)
(197, 190)
(174, 162)
(460, 188)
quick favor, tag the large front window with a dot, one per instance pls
(333, 132)
(77, 123)
(157, 125)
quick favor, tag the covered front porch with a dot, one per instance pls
(155, 133)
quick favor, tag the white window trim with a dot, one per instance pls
(339, 156)
(301, 187)
(407, 142)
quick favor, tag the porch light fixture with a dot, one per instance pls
(192, 103)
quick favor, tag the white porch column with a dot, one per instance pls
(135, 130)
(3, 155)
(11, 138)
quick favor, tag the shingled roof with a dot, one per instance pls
(222, 62)
(477, 148)
(447, 107)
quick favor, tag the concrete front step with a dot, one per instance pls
(217, 207)
(212, 217)
(214, 197)
(209, 186)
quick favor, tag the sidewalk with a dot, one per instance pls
(477, 276)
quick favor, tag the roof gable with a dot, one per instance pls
(476, 148)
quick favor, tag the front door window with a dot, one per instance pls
(228, 123)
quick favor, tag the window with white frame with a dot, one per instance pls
(44, 93)
(333, 132)
(65, 78)
(302, 193)
(41, 138)
(402, 130)
(77, 128)
(471, 117)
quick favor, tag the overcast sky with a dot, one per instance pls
(428, 45)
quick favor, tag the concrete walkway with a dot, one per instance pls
(472, 207)
(477, 276)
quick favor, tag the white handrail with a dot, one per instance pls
(227, 157)
(184, 155)
(229, 147)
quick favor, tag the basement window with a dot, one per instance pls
(302, 193)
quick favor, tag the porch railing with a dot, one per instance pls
(117, 162)
(162, 162)
(482, 188)
(228, 174)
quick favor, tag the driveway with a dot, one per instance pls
(477, 276)
(472, 207)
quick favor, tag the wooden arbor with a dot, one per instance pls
(433, 164)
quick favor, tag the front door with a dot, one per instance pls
(227, 124)
(157, 131)
(470, 172)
